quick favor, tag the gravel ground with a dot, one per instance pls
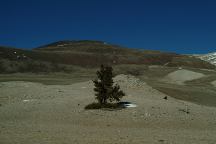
(181, 76)
(33, 113)
(214, 83)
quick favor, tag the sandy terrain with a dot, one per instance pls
(181, 76)
(214, 83)
(33, 113)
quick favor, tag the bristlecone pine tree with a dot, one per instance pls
(105, 88)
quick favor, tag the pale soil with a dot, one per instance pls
(181, 76)
(55, 115)
(214, 83)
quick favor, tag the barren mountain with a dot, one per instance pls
(60, 56)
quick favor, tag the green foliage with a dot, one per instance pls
(104, 88)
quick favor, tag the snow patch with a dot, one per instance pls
(211, 58)
(28, 100)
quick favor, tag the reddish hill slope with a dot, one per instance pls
(94, 53)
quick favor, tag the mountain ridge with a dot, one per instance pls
(92, 54)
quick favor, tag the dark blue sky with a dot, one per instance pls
(183, 26)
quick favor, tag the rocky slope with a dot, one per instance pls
(211, 58)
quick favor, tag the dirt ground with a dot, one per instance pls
(34, 113)
(181, 76)
(214, 83)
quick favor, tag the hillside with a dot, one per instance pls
(211, 58)
(62, 55)
(120, 55)
(85, 46)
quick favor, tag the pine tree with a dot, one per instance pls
(104, 88)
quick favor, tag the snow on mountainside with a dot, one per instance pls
(211, 58)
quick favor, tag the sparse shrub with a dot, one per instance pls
(28, 65)
(1, 67)
(135, 70)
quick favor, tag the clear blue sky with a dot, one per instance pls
(182, 26)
